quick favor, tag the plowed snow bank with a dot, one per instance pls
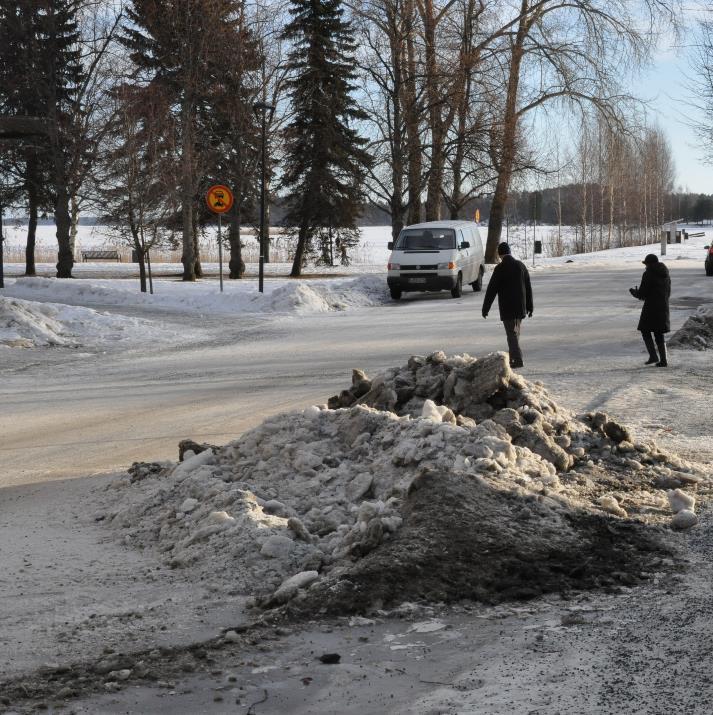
(28, 324)
(280, 296)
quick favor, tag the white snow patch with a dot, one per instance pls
(29, 324)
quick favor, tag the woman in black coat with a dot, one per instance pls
(655, 290)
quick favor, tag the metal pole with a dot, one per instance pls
(220, 252)
(262, 208)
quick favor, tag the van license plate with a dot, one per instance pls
(416, 280)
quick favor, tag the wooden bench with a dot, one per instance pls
(101, 256)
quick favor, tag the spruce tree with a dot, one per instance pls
(39, 75)
(59, 82)
(184, 48)
(326, 161)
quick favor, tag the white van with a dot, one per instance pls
(438, 255)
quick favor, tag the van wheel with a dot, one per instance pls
(457, 290)
(478, 285)
(395, 293)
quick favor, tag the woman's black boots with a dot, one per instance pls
(649, 342)
(661, 345)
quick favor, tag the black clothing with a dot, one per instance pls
(661, 345)
(655, 290)
(649, 342)
(512, 332)
(511, 283)
(655, 357)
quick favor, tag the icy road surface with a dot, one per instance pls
(68, 413)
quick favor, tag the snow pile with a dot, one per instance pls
(327, 296)
(29, 324)
(25, 325)
(240, 297)
(445, 478)
(696, 333)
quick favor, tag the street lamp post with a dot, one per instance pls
(261, 110)
(2, 238)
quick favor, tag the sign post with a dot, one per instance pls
(220, 200)
(668, 235)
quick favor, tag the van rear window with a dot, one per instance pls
(426, 239)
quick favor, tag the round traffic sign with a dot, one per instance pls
(219, 199)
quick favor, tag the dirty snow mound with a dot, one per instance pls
(696, 333)
(447, 478)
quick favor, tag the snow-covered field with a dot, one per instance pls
(144, 564)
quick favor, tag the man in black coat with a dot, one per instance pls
(511, 283)
(655, 290)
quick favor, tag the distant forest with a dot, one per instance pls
(543, 207)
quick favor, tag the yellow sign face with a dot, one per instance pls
(477, 215)
(219, 199)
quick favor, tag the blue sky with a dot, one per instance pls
(665, 84)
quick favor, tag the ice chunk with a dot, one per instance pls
(277, 547)
(288, 589)
(610, 504)
(684, 519)
(188, 505)
(679, 500)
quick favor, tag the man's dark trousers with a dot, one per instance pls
(512, 331)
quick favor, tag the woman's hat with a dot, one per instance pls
(651, 259)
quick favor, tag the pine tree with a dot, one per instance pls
(59, 82)
(25, 91)
(184, 48)
(326, 161)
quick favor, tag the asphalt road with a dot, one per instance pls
(66, 413)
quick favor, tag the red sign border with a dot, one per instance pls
(224, 188)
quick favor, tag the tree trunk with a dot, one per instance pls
(411, 117)
(62, 219)
(300, 251)
(63, 222)
(32, 200)
(435, 119)
(142, 267)
(141, 255)
(396, 202)
(74, 216)
(188, 257)
(456, 200)
(509, 137)
(198, 269)
(236, 264)
(266, 227)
